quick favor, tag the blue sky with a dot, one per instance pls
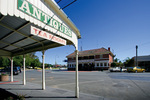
(118, 24)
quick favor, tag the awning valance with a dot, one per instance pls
(17, 17)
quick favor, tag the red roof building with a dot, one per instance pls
(95, 59)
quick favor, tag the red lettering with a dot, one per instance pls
(35, 30)
(40, 33)
(45, 35)
(50, 36)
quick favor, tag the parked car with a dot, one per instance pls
(62, 68)
(135, 69)
(117, 69)
(18, 68)
(8, 70)
(29, 67)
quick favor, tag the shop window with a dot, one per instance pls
(91, 57)
(101, 56)
(85, 57)
(97, 64)
(97, 56)
(105, 64)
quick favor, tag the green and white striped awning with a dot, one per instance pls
(34, 25)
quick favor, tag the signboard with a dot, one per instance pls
(35, 12)
(46, 35)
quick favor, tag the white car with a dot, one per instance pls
(62, 68)
(117, 69)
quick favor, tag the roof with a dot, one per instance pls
(16, 37)
(91, 52)
(57, 9)
(142, 58)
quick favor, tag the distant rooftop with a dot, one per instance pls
(143, 58)
(92, 52)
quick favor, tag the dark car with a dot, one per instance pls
(18, 68)
(8, 70)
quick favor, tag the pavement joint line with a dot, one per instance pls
(81, 71)
(139, 88)
(8, 82)
(79, 82)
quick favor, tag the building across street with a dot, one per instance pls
(96, 59)
(143, 61)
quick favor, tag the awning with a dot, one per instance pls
(17, 17)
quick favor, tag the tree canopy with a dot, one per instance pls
(31, 60)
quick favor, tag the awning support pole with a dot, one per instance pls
(11, 69)
(24, 70)
(77, 80)
(43, 71)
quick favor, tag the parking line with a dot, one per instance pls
(8, 82)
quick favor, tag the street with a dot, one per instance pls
(120, 86)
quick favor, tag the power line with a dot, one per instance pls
(69, 4)
(59, 1)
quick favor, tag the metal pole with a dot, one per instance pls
(43, 72)
(11, 69)
(136, 55)
(24, 75)
(77, 80)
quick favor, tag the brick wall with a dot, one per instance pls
(110, 59)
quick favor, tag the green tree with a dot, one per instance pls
(4, 62)
(117, 63)
(31, 60)
(128, 62)
(113, 64)
(18, 60)
(116, 60)
(35, 62)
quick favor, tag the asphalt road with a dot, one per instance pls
(113, 85)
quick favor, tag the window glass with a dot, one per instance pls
(97, 64)
(138, 68)
(101, 56)
(105, 64)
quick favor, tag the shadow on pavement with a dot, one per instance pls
(21, 89)
(5, 95)
(50, 97)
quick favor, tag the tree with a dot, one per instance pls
(113, 64)
(4, 62)
(117, 63)
(128, 62)
(18, 60)
(116, 60)
(31, 60)
(35, 62)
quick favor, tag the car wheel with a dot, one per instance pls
(136, 71)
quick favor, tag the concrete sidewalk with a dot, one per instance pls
(34, 92)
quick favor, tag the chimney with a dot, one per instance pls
(108, 48)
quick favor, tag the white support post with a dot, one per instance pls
(77, 80)
(43, 72)
(11, 69)
(24, 70)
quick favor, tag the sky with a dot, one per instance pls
(118, 24)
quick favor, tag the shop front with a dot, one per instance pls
(35, 25)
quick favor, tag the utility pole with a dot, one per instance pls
(136, 64)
